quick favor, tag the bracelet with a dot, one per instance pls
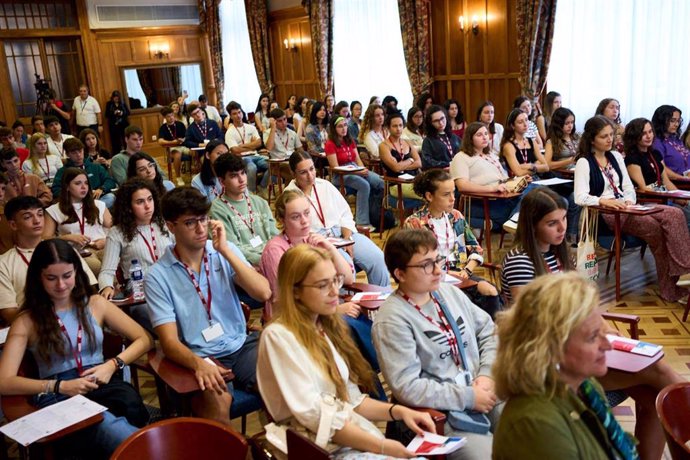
(390, 412)
(56, 388)
(469, 272)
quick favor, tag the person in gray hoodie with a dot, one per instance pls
(419, 355)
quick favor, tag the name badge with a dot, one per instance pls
(212, 332)
(463, 378)
(256, 241)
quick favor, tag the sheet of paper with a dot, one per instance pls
(406, 176)
(3, 335)
(552, 181)
(51, 419)
(434, 444)
(370, 296)
(349, 168)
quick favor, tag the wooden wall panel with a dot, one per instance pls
(473, 68)
(293, 70)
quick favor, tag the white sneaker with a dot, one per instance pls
(684, 281)
(510, 226)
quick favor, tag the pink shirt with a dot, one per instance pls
(268, 266)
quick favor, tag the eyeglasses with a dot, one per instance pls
(429, 265)
(192, 223)
(325, 286)
(438, 120)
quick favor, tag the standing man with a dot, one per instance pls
(192, 299)
(243, 140)
(87, 111)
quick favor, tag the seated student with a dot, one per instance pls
(37, 124)
(355, 122)
(55, 136)
(306, 358)
(7, 141)
(58, 297)
(341, 150)
(210, 111)
(552, 103)
(440, 145)
(243, 140)
(456, 242)
(372, 132)
(134, 139)
(540, 250)
(293, 211)
(5, 232)
(645, 164)
(20, 183)
(316, 132)
(486, 114)
(193, 303)
(555, 408)
(79, 219)
(93, 149)
(281, 141)
(455, 117)
(143, 165)
(331, 216)
(171, 136)
(41, 162)
(602, 180)
(414, 128)
(611, 109)
(523, 104)
(399, 157)
(518, 150)
(562, 140)
(206, 181)
(261, 112)
(201, 130)
(24, 215)
(301, 129)
(247, 218)
(19, 135)
(418, 346)
(100, 182)
(668, 122)
(477, 169)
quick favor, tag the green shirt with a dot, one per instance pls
(237, 224)
(534, 427)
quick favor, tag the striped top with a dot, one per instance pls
(518, 270)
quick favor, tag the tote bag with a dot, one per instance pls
(587, 264)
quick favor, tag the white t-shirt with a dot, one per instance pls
(55, 147)
(245, 134)
(86, 110)
(95, 232)
(212, 114)
(284, 144)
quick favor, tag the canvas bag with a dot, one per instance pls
(587, 264)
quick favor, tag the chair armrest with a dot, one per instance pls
(300, 447)
(632, 320)
(178, 378)
(438, 417)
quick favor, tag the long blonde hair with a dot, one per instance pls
(533, 333)
(31, 144)
(294, 266)
(368, 120)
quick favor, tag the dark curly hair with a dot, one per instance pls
(555, 132)
(123, 216)
(132, 170)
(428, 181)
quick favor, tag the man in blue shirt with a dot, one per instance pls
(201, 131)
(194, 307)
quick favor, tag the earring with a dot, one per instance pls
(558, 367)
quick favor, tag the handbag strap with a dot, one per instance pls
(456, 331)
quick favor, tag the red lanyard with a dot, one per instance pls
(607, 172)
(655, 166)
(47, 170)
(319, 212)
(76, 352)
(445, 328)
(82, 221)
(26, 261)
(495, 163)
(206, 302)
(204, 131)
(447, 143)
(216, 192)
(240, 133)
(449, 243)
(287, 139)
(250, 224)
(151, 247)
(524, 155)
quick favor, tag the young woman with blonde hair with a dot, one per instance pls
(41, 162)
(309, 368)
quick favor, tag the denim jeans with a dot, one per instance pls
(372, 184)
(255, 164)
(108, 199)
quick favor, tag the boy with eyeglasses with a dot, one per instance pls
(421, 357)
(194, 307)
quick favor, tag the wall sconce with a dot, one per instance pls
(290, 45)
(160, 51)
(475, 24)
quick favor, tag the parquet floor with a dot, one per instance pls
(660, 323)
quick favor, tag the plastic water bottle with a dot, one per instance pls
(136, 278)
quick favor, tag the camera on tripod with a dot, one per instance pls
(43, 93)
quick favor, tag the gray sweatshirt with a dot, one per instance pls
(415, 356)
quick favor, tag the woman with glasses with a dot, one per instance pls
(309, 369)
(142, 165)
(440, 145)
(668, 122)
(292, 210)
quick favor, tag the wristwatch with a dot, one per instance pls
(119, 363)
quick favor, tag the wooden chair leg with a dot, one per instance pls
(500, 242)
(608, 265)
(687, 310)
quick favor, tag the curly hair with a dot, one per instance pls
(633, 134)
(132, 170)
(368, 120)
(428, 181)
(123, 216)
(533, 333)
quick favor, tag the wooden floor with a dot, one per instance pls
(660, 323)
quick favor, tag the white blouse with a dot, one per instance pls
(45, 168)
(292, 384)
(582, 172)
(95, 231)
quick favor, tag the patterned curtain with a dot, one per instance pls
(257, 23)
(414, 27)
(209, 20)
(320, 14)
(535, 25)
